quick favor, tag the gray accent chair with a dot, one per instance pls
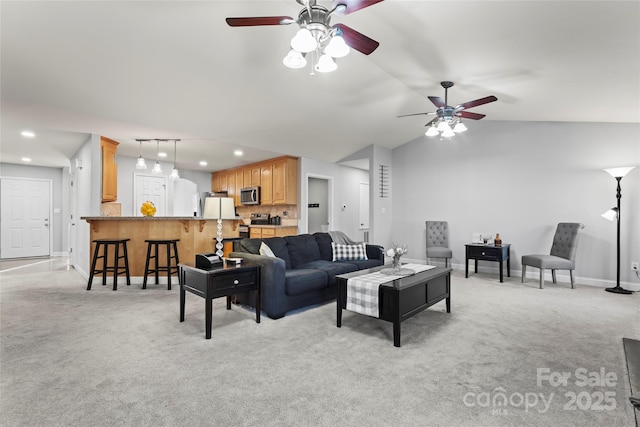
(562, 255)
(438, 241)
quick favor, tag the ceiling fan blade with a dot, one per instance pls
(356, 40)
(260, 20)
(437, 101)
(469, 115)
(353, 5)
(477, 102)
(416, 114)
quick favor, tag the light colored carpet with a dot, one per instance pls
(75, 358)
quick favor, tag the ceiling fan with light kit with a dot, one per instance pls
(448, 120)
(316, 37)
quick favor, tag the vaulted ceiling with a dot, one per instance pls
(174, 69)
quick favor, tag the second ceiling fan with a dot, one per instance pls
(448, 119)
(316, 36)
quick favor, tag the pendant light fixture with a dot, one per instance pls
(174, 172)
(157, 169)
(141, 164)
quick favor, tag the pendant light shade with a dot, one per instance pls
(141, 164)
(174, 172)
(157, 169)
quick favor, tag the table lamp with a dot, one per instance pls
(219, 208)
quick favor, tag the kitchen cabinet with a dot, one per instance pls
(215, 181)
(109, 169)
(266, 179)
(277, 179)
(284, 185)
(239, 184)
(255, 176)
(264, 232)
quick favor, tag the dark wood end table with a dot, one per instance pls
(216, 283)
(479, 252)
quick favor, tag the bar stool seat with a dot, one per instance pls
(169, 268)
(114, 268)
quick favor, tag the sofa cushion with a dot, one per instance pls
(266, 250)
(324, 244)
(331, 269)
(362, 264)
(348, 252)
(278, 246)
(301, 281)
(250, 245)
(302, 249)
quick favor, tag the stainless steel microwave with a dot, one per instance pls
(250, 196)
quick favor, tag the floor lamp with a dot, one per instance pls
(614, 213)
(219, 208)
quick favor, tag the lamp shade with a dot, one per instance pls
(619, 172)
(219, 208)
(611, 214)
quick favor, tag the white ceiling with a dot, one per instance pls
(174, 69)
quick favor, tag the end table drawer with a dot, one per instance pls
(235, 280)
(484, 253)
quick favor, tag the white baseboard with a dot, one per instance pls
(533, 274)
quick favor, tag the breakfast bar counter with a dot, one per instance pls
(196, 234)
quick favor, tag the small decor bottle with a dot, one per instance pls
(498, 240)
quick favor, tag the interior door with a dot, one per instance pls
(25, 218)
(152, 188)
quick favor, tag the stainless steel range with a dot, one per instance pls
(260, 219)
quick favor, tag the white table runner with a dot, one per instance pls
(362, 291)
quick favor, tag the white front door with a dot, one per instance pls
(25, 218)
(152, 188)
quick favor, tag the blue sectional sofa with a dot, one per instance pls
(302, 273)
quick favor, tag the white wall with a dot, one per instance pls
(344, 188)
(520, 179)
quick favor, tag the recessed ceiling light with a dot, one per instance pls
(238, 152)
(26, 159)
(203, 163)
(27, 134)
(162, 154)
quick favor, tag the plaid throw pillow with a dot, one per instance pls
(348, 252)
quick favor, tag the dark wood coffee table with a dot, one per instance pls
(402, 298)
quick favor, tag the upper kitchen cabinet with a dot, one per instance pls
(109, 169)
(277, 178)
(285, 175)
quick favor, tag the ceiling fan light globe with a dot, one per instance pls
(304, 41)
(294, 59)
(448, 133)
(459, 127)
(442, 126)
(326, 64)
(432, 131)
(337, 47)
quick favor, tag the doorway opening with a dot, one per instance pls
(318, 204)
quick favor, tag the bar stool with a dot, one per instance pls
(168, 268)
(115, 268)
